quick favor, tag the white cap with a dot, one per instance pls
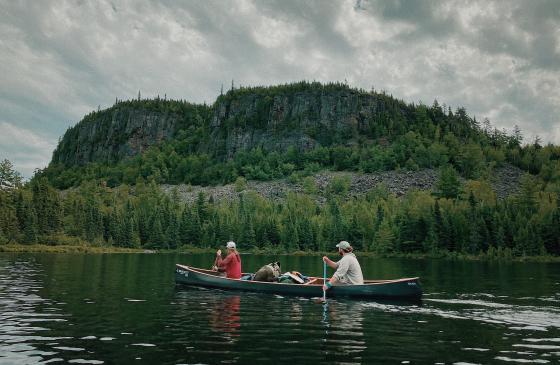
(343, 245)
(230, 244)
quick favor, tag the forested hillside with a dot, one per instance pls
(114, 161)
(267, 133)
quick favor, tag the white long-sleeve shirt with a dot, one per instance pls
(348, 270)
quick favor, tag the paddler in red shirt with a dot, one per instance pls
(231, 264)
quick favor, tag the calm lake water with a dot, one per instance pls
(126, 309)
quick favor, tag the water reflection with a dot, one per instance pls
(472, 313)
(25, 315)
(224, 316)
(345, 331)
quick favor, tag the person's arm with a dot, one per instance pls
(331, 263)
(342, 269)
(218, 257)
(332, 281)
(225, 262)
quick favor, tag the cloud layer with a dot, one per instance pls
(61, 59)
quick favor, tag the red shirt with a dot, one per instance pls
(231, 265)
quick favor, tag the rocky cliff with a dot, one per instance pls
(124, 130)
(301, 115)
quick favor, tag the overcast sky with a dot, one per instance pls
(61, 59)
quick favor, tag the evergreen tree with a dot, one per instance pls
(526, 198)
(184, 225)
(194, 235)
(10, 179)
(201, 207)
(249, 237)
(172, 232)
(551, 230)
(30, 225)
(440, 231)
(305, 234)
(448, 185)
(157, 238)
(383, 241)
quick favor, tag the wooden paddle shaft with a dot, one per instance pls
(324, 280)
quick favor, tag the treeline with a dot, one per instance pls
(456, 218)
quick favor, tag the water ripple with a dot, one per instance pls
(109, 309)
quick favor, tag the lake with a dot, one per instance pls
(126, 309)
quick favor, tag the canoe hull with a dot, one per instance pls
(388, 289)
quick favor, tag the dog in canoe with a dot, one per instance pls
(269, 272)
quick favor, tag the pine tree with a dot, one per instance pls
(195, 229)
(30, 225)
(383, 241)
(10, 179)
(337, 227)
(201, 207)
(526, 198)
(184, 225)
(157, 237)
(9, 225)
(448, 185)
(143, 227)
(126, 234)
(305, 234)
(110, 224)
(551, 230)
(172, 232)
(498, 231)
(439, 228)
(355, 235)
(249, 238)
(379, 216)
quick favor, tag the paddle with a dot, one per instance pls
(215, 265)
(323, 300)
(324, 281)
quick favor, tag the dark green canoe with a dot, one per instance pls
(384, 289)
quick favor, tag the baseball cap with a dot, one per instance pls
(230, 244)
(343, 245)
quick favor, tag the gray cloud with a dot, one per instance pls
(61, 59)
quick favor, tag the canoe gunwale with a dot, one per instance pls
(366, 282)
(407, 288)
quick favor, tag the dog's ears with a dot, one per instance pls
(277, 263)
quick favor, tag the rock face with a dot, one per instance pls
(300, 115)
(302, 118)
(115, 134)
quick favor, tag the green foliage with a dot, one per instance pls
(240, 184)
(9, 177)
(117, 201)
(396, 135)
(309, 186)
(339, 185)
(525, 224)
(448, 184)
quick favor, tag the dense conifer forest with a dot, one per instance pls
(118, 202)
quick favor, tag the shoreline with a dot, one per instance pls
(81, 249)
(44, 248)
